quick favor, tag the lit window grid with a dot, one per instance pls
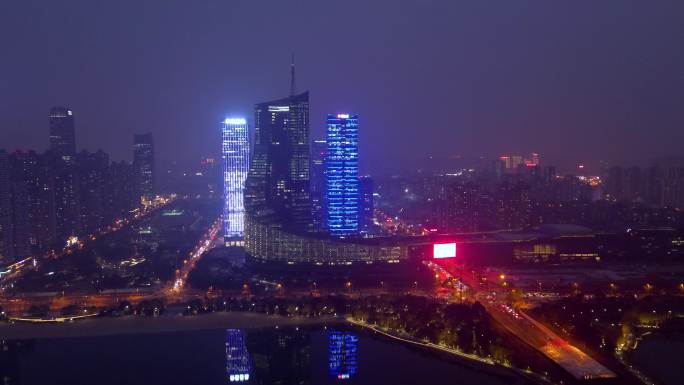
(235, 154)
(342, 354)
(342, 184)
(238, 361)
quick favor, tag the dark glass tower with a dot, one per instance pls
(143, 163)
(366, 204)
(62, 132)
(279, 172)
(318, 149)
(342, 175)
(63, 152)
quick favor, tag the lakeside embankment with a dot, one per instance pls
(472, 361)
(107, 326)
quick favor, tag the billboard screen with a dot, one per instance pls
(444, 250)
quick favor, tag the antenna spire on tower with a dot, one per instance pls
(292, 77)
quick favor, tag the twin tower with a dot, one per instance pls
(275, 179)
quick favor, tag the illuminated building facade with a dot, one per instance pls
(342, 354)
(238, 361)
(342, 175)
(235, 153)
(267, 242)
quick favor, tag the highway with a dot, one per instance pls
(573, 360)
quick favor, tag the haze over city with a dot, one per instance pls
(329, 192)
(578, 83)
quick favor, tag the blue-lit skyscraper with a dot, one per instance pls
(342, 174)
(235, 153)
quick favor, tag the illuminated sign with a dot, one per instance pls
(343, 116)
(444, 250)
(236, 121)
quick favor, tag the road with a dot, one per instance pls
(573, 360)
(206, 243)
(174, 291)
(15, 271)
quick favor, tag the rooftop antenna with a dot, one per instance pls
(292, 77)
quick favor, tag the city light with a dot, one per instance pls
(342, 174)
(241, 121)
(444, 250)
(235, 154)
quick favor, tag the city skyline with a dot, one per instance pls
(432, 192)
(504, 87)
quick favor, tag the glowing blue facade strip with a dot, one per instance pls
(342, 174)
(342, 354)
(238, 360)
(235, 154)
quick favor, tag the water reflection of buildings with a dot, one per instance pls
(10, 354)
(342, 354)
(281, 357)
(238, 362)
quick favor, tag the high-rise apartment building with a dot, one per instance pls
(63, 152)
(235, 153)
(122, 191)
(143, 163)
(93, 172)
(342, 174)
(36, 173)
(5, 213)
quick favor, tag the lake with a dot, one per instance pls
(660, 357)
(315, 355)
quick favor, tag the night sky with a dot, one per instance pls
(572, 80)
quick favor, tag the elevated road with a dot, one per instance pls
(534, 333)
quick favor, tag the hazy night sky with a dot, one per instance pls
(573, 80)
